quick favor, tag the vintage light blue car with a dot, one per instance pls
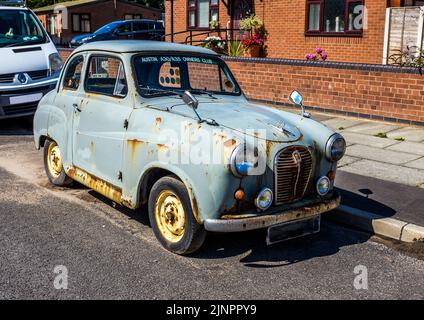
(168, 125)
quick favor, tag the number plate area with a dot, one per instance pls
(293, 229)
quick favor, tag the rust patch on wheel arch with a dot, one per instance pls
(104, 188)
(194, 206)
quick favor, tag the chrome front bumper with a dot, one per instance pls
(242, 223)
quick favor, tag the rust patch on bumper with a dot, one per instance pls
(230, 223)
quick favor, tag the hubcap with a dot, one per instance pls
(170, 216)
(54, 160)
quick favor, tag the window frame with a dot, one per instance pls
(87, 70)
(195, 8)
(140, 15)
(321, 32)
(80, 22)
(62, 80)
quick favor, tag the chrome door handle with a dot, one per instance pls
(76, 107)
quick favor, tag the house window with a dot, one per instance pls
(201, 13)
(407, 3)
(334, 17)
(52, 24)
(81, 23)
(133, 16)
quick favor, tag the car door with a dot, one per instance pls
(69, 97)
(100, 125)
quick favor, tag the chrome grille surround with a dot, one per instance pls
(293, 167)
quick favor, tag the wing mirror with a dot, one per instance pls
(190, 100)
(296, 98)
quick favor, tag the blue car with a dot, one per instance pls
(123, 30)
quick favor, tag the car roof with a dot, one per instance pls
(122, 46)
(13, 8)
(137, 20)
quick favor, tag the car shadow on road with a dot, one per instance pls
(22, 126)
(257, 254)
(362, 200)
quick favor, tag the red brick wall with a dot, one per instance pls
(381, 95)
(285, 21)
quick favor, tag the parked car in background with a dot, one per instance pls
(29, 62)
(123, 30)
(168, 125)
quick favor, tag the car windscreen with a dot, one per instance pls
(108, 28)
(20, 28)
(173, 74)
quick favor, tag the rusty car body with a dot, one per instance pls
(144, 130)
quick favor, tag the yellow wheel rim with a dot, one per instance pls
(54, 160)
(170, 216)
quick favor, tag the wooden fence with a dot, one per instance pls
(403, 30)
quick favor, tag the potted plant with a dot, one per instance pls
(253, 44)
(235, 48)
(214, 43)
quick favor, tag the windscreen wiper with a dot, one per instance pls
(173, 92)
(199, 91)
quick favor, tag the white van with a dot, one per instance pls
(29, 62)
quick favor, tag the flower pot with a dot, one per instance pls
(253, 52)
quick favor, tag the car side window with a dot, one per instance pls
(124, 28)
(72, 76)
(106, 75)
(140, 26)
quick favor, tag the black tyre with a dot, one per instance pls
(53, 165)
(172, 219)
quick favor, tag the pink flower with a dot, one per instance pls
(324, 56)
(307, 56)
(318, 50)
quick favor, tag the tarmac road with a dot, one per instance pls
(111, 253)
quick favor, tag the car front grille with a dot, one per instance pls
(26, 108)
(40, 74)
(34, 75)
(293, 171)
(7, 78)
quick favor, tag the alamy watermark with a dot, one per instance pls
(360, 281)
(61, 279)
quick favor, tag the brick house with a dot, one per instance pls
(295, 27)
(68, 19)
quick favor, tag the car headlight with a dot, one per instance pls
(55, 63)
(323, 185)
(335, 147)
(264, 199)
(242, 160)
